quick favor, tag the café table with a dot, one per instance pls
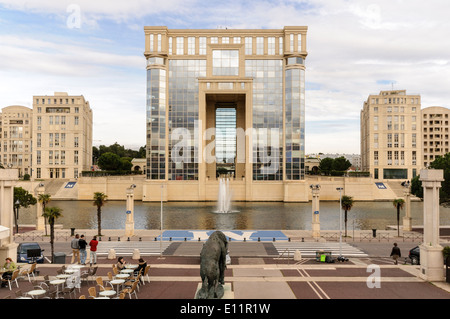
(36, 293)
(107, 293)
(127, 271)
(57, 283)
(122, 276)
(117, 282)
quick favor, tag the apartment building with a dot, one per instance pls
(62, 136)
(391, 135)
(15, 138)
(435, 130)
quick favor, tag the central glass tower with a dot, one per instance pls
(225, 102)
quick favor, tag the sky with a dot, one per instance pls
(355, 48)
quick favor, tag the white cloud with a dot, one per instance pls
(352, 45)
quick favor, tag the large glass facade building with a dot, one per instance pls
(225, 103)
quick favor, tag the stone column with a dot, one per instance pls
(407, 220)
(8, 248)
(315, 211)
(431, 257)
(129, 224)
(40, 223)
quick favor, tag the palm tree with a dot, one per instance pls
(347, 204)
(44, 199)
(52, 214)
(398, 203)
(99, 201)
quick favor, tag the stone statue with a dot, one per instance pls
(212, 266)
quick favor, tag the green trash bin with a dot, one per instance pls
(59, 258)
(321, 255)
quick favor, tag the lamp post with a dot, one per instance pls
(407, 220)
(315, 225)
(129, 224)
(16, 215)
(161, 231)
(340, 220)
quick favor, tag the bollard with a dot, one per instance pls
(273, 239)
(289, 239)
(303, 240)
(128, 239)
(118, 238)
(245, 239)
(155, 239)
(170, 238)
(184, 238)
(259, 239)
(109, 239)
(140, 238)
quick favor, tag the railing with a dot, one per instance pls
(35, 236)
(281, 256)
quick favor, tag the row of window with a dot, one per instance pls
(395, 100)
(253, 45)
(395, 157)
(55, 101)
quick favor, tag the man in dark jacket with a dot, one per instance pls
(395, 253)
(82, 244)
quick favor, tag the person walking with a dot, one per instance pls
(82, 244)
(93, 247)
(75, 249)
(395, 253)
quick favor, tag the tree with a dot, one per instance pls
(443, 162)
(347, 204)
(44, 199)
(99, 201)
(341, 164)
(109, 161)
(21, 199)
(326, 165)
(416, 187)
(52, 214)
(398, 203)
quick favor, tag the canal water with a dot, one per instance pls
(249, 215)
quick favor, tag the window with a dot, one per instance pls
(75, 157)
(414, 157)
(152, 42)
(38, 157)
(280, 45)
(202, 45)
(76, 120)
(225, 40)
(75, 143)
(214, 40)
(299, 42)
(291, 42)
(159, 42)
(389, 140)
(180, 45)
(38, 141)
(389, 157)
(50, 140)
(191, 45)
(170, 45)
(225, 62)
(38, 172)
(237, 40)
(271, 45)
(259, 45)
(375, 158)
(248, 46)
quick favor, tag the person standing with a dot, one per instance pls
(395, 253)
(82, 244)
(75, 249)
(93, 247)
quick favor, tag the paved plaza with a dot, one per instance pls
(259, 269)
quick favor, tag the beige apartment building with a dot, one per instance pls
(62, 136)
(225, 102)
(391, 135)
(15, 138)
(435, 128)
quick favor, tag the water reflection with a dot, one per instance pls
(260, 215)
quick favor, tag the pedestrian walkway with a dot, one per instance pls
(309, 249)
(126, 248)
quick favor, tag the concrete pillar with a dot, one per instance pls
(431, 257)
(407, 220)
(129, 224)
(40, 222)
(315, 211)
(8, 248)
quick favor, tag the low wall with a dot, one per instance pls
(360, 188)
